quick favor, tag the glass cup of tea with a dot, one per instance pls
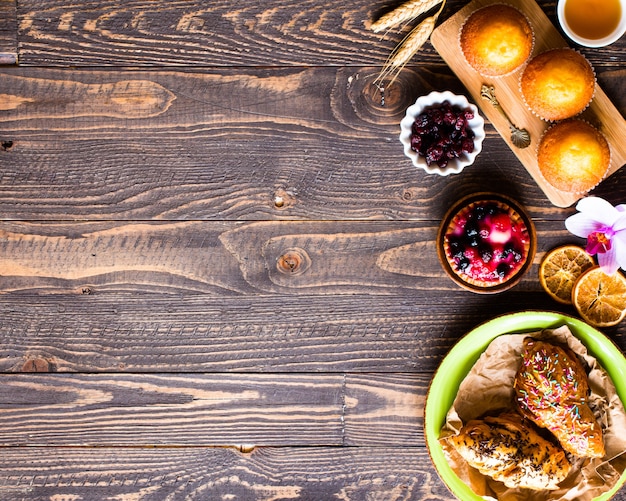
(592, 23)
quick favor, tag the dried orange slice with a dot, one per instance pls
(600, 298)
(560, 268)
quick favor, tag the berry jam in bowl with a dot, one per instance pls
(486, 243)
(442, 133)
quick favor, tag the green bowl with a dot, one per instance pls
(462, 357)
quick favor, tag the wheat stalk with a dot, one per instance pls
(406, 49)
(406, 12)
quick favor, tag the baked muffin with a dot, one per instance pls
(573, 156)
(552, 389)
(496, 39)
(486, 243)
(509, 450)
(558, 84)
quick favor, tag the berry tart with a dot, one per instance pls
(486, 243)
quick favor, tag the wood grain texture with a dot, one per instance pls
(218, 277)
(192, 33)
(237, 410)
(195, 152)
(144, 333)
(172, 410)
(8, 32)
(310, 474)
(601, 112)
(222, 258)
(161, 33)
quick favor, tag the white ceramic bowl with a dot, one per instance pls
(615, 35)
(455, 165)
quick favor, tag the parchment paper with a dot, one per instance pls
(488, 389)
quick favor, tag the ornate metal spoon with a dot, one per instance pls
(519, 137)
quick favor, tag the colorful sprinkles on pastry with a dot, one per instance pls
(551, 389)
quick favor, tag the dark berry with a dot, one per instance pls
(436, 115)
(502, 270)
(449, 118)
(492, 209)
(511, 250)
(456, 248)
(434, 154)
(441, 133)
(463, 263)
(486, 253)
(471, 229)
(421, 121)
(416, 142)
(479, 212)
(457, 149)
(468, 145)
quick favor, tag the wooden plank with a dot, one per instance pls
(132, 332)
(239, 410)
(385, 407)
(318, 102)
(231, 258)
(211, 296)
(393, 473)
(252, 178)
(178, 145)
(8, 32)
(194, 33)
(171, 410)
(235, 103)
(601, 112)
(190, 336)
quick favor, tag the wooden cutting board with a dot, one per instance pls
(601, 113)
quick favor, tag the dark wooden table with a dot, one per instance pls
(218, 270)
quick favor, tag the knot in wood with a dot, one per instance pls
(283, 199)
(36, 365)
(407, 195)
(293, 262)
(378, 102)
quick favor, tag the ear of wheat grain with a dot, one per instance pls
(406, 49)
(403, 53)
(406, 12)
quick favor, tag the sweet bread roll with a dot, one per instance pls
(551, 388)
(508, 449)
